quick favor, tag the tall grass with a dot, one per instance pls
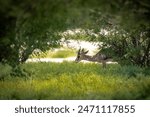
(69, 80)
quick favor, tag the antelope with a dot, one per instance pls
(99, 57)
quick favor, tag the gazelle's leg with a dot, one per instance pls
(104, 64)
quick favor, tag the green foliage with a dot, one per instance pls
(20, 72)
(126, 49)
(28, 25)
(5, 71)
(127, 26)
(36, 24)
(70, 80)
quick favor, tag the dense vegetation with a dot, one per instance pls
(69, 80)
(122, 27)
(27, 25)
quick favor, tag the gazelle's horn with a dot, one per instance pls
(79, 49)
(82, 50)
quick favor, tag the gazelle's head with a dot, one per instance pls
(80, 55)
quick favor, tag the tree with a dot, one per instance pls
(27, 25)
(128, 27)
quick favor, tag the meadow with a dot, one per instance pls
(70, 80)
(60, 53)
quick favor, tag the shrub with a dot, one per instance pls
(5, 71)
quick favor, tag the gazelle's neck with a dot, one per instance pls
(88, 58)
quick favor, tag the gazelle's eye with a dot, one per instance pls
(78, 56)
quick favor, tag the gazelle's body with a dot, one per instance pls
(99, 57)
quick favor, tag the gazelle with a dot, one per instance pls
(99, 57)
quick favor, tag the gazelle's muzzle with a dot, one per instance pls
(76, 60)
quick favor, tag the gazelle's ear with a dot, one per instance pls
(78, 52)
(86, 52)
(82, 50)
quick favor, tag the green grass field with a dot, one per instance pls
(69, 80)
(62, 53)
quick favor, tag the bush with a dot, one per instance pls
(5, 71)
(128, 49)
(124, 30)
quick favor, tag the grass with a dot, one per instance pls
(69, 80)
(62, 53)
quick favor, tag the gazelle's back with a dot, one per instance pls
(99, 57)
